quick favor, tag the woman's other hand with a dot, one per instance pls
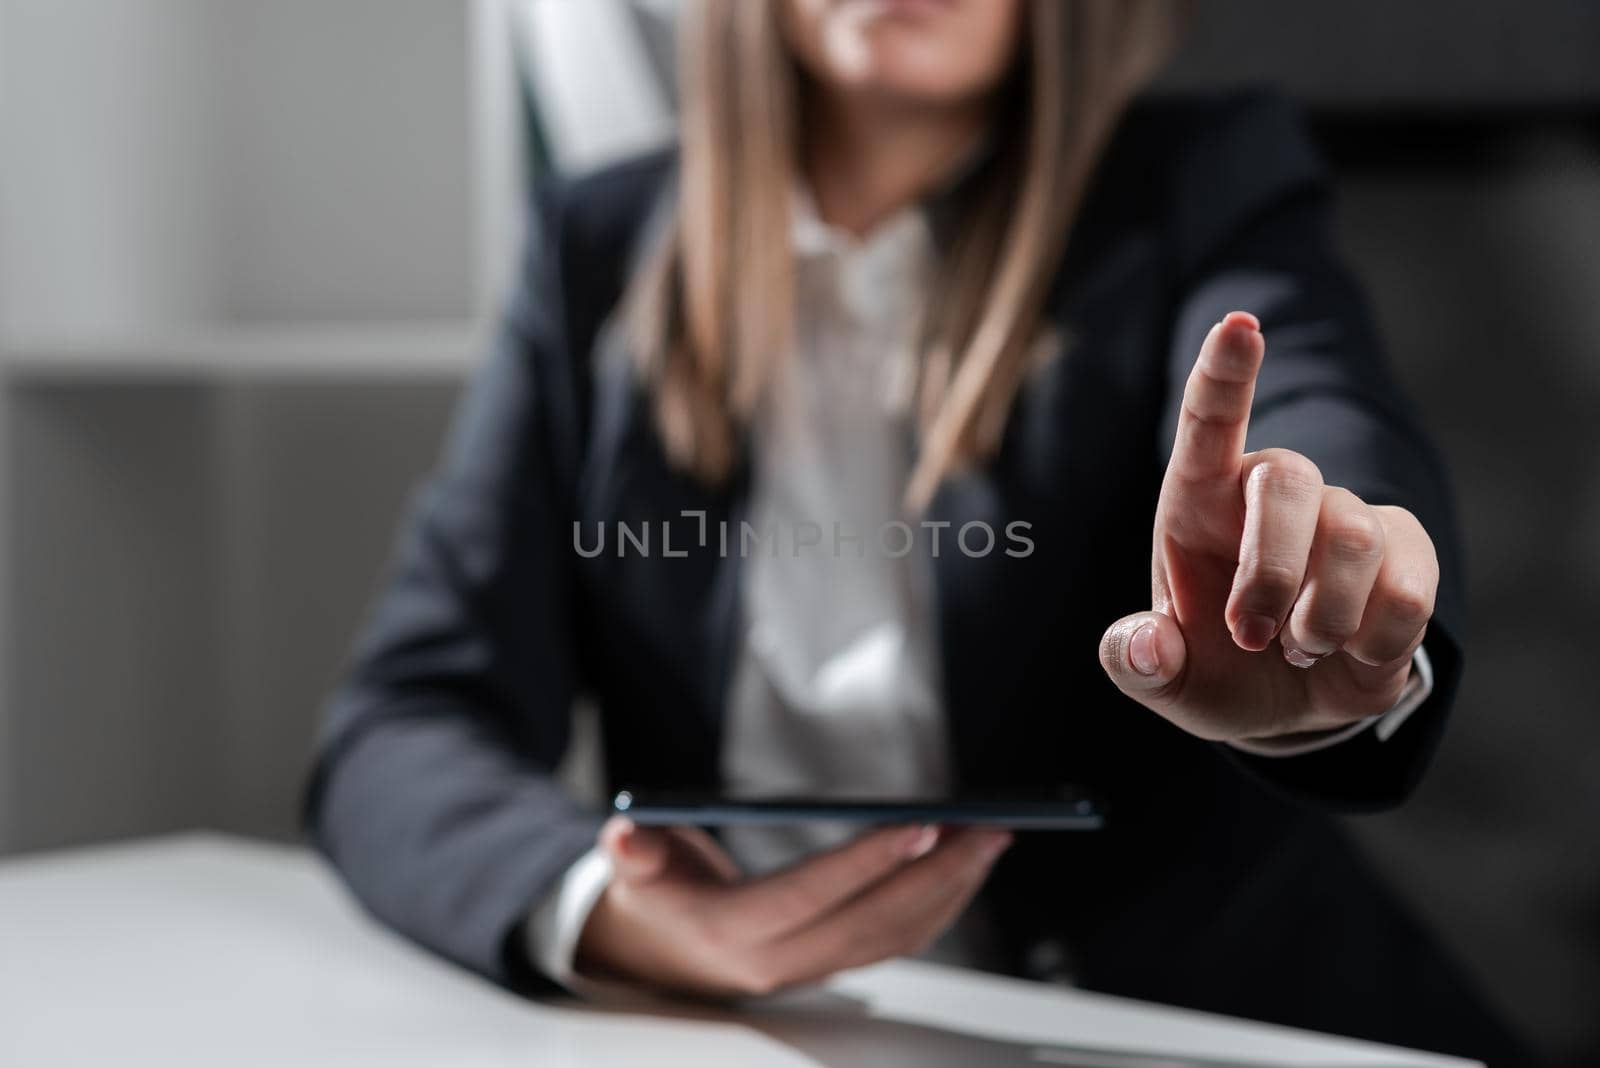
(679, 916)
(1279, 605)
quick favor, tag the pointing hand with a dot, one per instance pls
(1278, 604)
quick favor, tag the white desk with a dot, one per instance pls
(203, 950)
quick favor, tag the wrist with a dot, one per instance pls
(557, 922)
(591, 959)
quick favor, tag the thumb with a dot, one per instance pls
(1145, 655)
(638, 854)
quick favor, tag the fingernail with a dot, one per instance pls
(1254, 631)
(1244, 318)
(1142, 652)
(1300, 658)
(919, 842)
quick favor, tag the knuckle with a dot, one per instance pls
(1354, 537)
(1329, 628)
(1407, 602)
(1209, 399)
(1286, 475)
(1403, 528)
(1269, 578)
(1400, 519)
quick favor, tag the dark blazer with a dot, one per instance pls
(1219, 882)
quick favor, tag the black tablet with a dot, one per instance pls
(1058, 812)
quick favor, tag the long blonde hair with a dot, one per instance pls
(712, 309)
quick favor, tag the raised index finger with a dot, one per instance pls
(1216, 402)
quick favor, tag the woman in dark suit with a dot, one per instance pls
(821, 451)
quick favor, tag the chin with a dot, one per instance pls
(918, 70)
(917, 87)
(930, 57)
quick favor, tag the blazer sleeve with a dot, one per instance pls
(432, 791)
(1252, 221)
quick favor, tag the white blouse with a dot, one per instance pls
(836, 689)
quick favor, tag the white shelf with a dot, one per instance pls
(406, 351)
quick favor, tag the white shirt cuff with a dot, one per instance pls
(557, 920)
(1418, 689)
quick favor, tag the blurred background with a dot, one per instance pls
(248, 252)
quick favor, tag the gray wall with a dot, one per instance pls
(343, 171)
(1486, 281)
(188, 570)
(201, 195)
(172, 164)
(319, 475)
(112, 711)
(1380, 54)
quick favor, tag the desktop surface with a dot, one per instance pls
(205, 950)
